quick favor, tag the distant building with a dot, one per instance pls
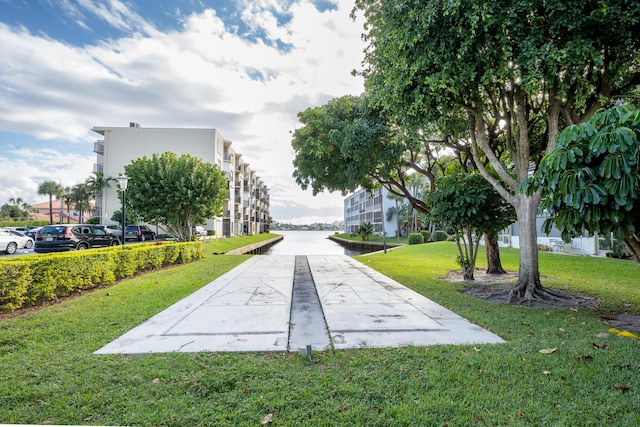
(61, 212)
(364, 206)
(246, 209)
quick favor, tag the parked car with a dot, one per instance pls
(139, 233)
(113, 229)
(199, 231)
(58, 238)
(23, 240)
(32, 232)
(8, 242)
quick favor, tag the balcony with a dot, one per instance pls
(98, 147)
(98, 168)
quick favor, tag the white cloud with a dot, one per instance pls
(197, 76)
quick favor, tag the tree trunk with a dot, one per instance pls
(633, 244)
(492, 249)
(50, 209)
(529, 288)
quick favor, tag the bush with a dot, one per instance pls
(20, 223)
(426, 235)
(416, 238)
(38, 278)
(17, 277)
(440, 236)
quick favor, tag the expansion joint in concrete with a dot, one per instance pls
(307, 324)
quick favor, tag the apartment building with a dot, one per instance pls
(246, 209)
(369, 206)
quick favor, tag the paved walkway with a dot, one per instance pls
(286, 302)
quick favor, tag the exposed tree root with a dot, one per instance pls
(528, 295)
(503, 289)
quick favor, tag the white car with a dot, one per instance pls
(8, 242)
(24, 241)
(199, 231)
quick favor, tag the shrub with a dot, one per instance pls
(34, 279)
(440, 236)
(17, 277)
(426, 235)
(416, 238)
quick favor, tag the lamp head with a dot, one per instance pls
(122, 182)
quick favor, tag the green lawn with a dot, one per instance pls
(48, 374)
(227, 244)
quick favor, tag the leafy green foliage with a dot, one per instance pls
(440, 236)
(416, 238)
(470, 206)
(365, 230)
(519, 71)
(340, 146)
(462, 201)
(31, 280)
(179, 192)
(591, 181)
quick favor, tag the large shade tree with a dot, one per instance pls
(179, 192)
(591, 181)
(521, 71)
(346, 144)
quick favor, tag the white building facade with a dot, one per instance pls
(369, 206)
(246, 209)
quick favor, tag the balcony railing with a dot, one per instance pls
(98, 147)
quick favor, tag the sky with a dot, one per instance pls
(244, 67)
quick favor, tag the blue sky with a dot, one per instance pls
(244, 67)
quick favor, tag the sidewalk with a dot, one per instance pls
(257, 307)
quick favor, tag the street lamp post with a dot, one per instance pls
(122, 182)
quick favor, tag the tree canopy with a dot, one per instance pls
(337, 148)
(591, 181)
(519, 70)
(179, 192)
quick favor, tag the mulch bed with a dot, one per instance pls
(495, 288)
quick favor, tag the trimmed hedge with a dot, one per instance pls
(416, 238)
(426, 235)
(440, 236)
(37, 278)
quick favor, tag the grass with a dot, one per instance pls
(48, 373)
(225, 245)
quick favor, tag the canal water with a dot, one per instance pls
(308, 243)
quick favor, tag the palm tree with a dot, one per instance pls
(15, 201)
(20, 206)
(395, 211)
(26, 208)
(67, 199)
(97, 183)
(81, 196)
(366, 230)
(50, 188)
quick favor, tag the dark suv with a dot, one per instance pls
(139, 233)
(59, 238)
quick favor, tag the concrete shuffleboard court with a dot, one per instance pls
(286, 303)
